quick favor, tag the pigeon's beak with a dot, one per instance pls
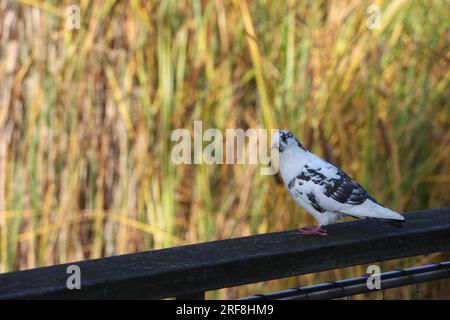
(275, 141)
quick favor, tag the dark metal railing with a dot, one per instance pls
(351, 287)
(187, 272)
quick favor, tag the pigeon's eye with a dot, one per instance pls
(283, 138)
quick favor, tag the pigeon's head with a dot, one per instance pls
(283, 140)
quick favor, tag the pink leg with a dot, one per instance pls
(313, 231)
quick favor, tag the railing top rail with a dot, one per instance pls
(212, 265)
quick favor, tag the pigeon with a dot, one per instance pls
(322, 189)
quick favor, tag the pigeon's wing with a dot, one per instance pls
(332, 189)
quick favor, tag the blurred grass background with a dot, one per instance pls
(86, 117)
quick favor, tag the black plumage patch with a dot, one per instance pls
(312, 199)
(308, 174)
(291, 184)
(300, 145)
(342, 189)
(303, 176)
(345, 190)
(285, 135)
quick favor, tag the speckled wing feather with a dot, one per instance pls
(327, 188)
(341, 188)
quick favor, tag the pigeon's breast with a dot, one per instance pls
(291, 164)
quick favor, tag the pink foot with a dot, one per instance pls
(313, 231)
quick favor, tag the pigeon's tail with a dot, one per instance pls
(372, 209)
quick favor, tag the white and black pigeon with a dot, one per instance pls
(324, 190)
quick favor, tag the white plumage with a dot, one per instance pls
(323, 190)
